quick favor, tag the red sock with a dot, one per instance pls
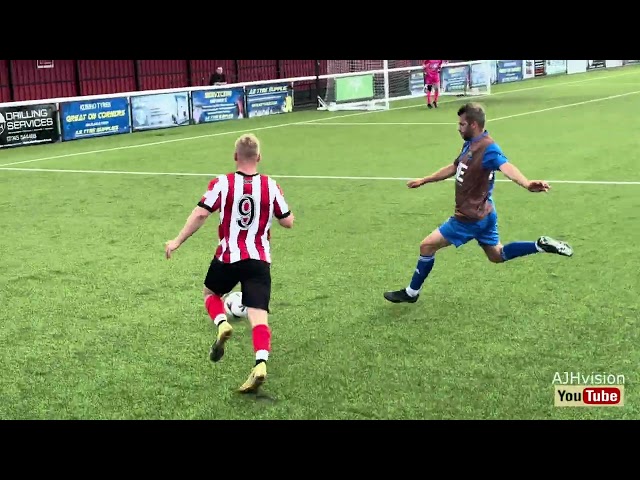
(215, 308)
(436, 95)
(261, 341)
(429, 96)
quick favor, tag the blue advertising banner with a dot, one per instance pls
(160, 110)
(269, 99)
(454, 79)
(509, 71)
(95, 118)
(217, 105)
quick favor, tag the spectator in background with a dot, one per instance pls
(218, 78)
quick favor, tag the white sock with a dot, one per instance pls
(411, 292)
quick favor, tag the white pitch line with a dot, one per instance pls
(236, 132)
(557, 107)
(374, 123)
(304, 177)
(617, 84)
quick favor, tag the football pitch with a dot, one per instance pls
(95, 323)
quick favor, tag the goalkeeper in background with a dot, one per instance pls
(432, 70)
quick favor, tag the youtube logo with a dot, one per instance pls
(589, 396)
(601, 396)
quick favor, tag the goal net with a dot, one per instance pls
(373, 84)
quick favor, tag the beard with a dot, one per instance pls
(466, 136)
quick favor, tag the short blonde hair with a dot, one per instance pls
(248, 146)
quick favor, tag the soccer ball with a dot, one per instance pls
(233, 306)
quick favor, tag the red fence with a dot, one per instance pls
(22, 80)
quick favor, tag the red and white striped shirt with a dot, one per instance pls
(247, 205)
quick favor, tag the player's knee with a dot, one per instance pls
(495, 256)
(257, 316)
(429, 88)
(428, 249)
(208, 293)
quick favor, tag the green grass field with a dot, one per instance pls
(96, 324)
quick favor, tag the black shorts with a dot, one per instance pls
(254, 277)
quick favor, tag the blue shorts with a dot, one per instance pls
(484, 231)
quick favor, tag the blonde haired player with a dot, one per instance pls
(247, 202)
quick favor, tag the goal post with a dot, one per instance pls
(373, 84)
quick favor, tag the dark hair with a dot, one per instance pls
(474, 113)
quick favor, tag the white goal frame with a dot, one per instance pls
(471, 78)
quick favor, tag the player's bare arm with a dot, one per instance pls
(197, 218)
(287, 222)
(515, 175)
(442, 174)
